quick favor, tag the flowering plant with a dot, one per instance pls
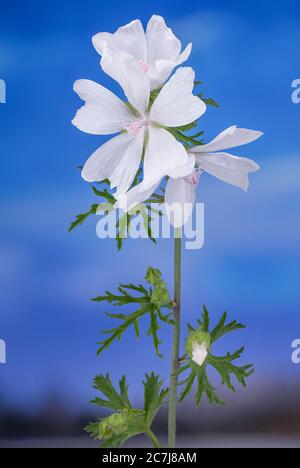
(157, 142)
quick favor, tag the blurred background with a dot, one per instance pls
(247, 55)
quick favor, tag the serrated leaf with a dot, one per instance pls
(149, 302)
(126, 422)
(123, 224)
(222, 364)
(211, 102)
(221, 329)
(205, 319)
(154, 397)
(225, 368)
(83, 217)
(117, 333)
(115, 400)
(153, 329)
(124, 390)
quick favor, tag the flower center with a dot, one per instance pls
(193, 178)
(144, 66)
(135, 126)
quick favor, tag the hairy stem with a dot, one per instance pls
(176, 342)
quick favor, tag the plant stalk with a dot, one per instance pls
(153, 438)
(176, 342)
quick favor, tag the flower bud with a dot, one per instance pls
(198, 345)
(160, 295)
(113, 425)
(153, 276)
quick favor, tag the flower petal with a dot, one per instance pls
(230, 138)
(200, 353)
(160, 71)
(121, 53)
(135, 196)
(117, 160)
(130, 76)
(176, 105)
(180, 199)
(162, 43)
(130, 38)
(163, 155)
(163, 51)
(228, 168)
(103, 112)
(183, 57)
(185, 170)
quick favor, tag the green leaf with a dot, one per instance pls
(208, 101)
(123, 224)
(189, 382)
(154, 397)
(206, 320)
(226, 369)
(115, 400)
(222, 329)
(104, 194)
(205, 386)
(82, 217)
(153, 329)
(117, 333)
(124, 391)
(211, 102)
(224, 365)
(150, 302)
(125, 422)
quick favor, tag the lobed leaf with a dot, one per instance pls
(149, 302)
(224, 365)
(126, 422)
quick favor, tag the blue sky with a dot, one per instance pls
(246, 53)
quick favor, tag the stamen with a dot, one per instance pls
(144, 66)
(134, 127)
(193, 178)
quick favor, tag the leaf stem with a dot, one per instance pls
(153, 438)
(176, 341)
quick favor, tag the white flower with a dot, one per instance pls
(200, 353)
(154, 54)
(119, 159)
(181, 189)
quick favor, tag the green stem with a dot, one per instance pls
(153, 438)
(176, 342)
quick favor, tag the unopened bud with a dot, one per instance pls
(198, 345)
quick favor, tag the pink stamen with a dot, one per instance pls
(144, 66)
(193, 179)
(134, 127)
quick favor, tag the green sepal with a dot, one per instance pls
(197, 336)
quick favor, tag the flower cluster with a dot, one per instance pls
(159, 107)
